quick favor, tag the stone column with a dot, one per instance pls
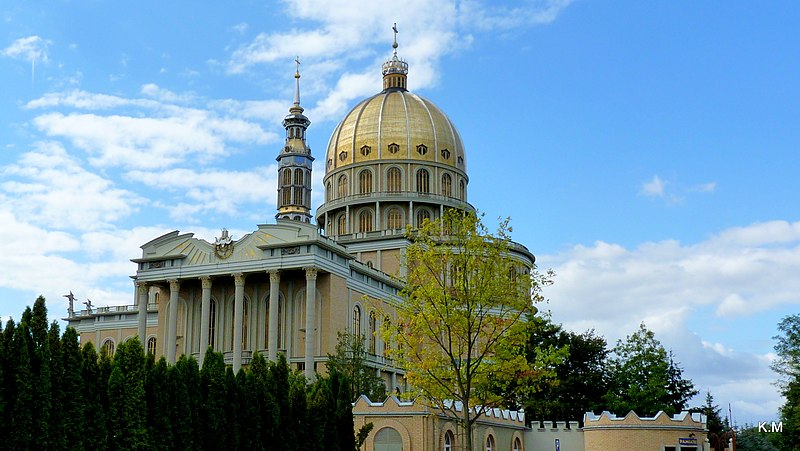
(205, 313)
(311, 321)
(274, 296)
(238, 316)
(172, 330)
(141, 290)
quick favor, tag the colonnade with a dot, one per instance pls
(205, 309)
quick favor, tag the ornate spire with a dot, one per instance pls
(395, 70)
(296, 108)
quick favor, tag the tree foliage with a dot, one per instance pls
(787, 365)
(645, 377)
(350, 360)
(461, 326)
(130, 401)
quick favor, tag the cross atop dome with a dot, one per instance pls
(395, 70)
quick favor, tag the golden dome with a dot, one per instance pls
(395, 125)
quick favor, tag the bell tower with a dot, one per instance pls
(294, 163)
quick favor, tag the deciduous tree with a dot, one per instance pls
(461, 323)
(350, 360)
(787, 365)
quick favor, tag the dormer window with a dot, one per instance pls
(394, 148)
(342, 155)
(422, 149)
(460, 160)
(365, 150)
(445, 154)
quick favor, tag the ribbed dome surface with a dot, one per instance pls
(395, 124)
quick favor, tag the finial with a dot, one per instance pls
(394, 45)
(297, 82)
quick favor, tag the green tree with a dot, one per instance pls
(749, 439)
(22, 421)
(279, 386)
(261, 412)
(71, 387)
(214, 419)
(461, 325)
(298, 421)
(95, 395)
(6, 377)
(350, 360)
(645, 379)
(126, 393)
(43, 379)
(185, 402)
(580, 379)
(158, 397)
(787, 365)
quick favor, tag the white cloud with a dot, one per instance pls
(213, 190)
(49, 187)
(31, 49)
(654, 187)
(709, 187)
(359, 35)
(726, 279)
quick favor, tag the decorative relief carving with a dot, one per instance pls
(290, 250)
(223, 246)
(157, 265)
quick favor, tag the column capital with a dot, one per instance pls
(141, 287)
(205, 281)
(274, 276)
(238, 279)
(174, 284)
(311, 273)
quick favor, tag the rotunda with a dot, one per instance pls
(395, 159)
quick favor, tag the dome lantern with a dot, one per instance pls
(395, 71)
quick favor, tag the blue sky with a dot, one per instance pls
(646, 151)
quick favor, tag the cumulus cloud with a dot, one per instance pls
(213, 190)
(357, 34)
(31, 49)
(48, 186)
(161, 135)
(734, 275)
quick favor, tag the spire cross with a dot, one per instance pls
(394, 45)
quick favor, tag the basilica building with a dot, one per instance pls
(290, 286)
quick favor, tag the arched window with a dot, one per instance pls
(357, 321)
(447, 185)
(373, 333)
(298, 176)
(490, 443)
(449, 441)
(286, 196)
(461, 190)
(517, 444)
(298, 195)
(341, 227)
(365, 221)
(287, 177)
(341, 186)
(328, 192)
(212, 322)
(388, 439)
(423, 181)
(365, 182)
(108, 347)
(394, 219)
(151, 345)
(394, 179)
(422, 215)
(387, 324)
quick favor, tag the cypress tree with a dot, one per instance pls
(71, 387)
(3, 389)
(57, 393)
(158, 392)
(40, 367)
(278, 388)
(322, 431)
(233, 406)
(343, 411)
(128, 410)
(212, 384)
(297, 424)
(260, 410)
(22, 416)
(95, 395)
(189, 374)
